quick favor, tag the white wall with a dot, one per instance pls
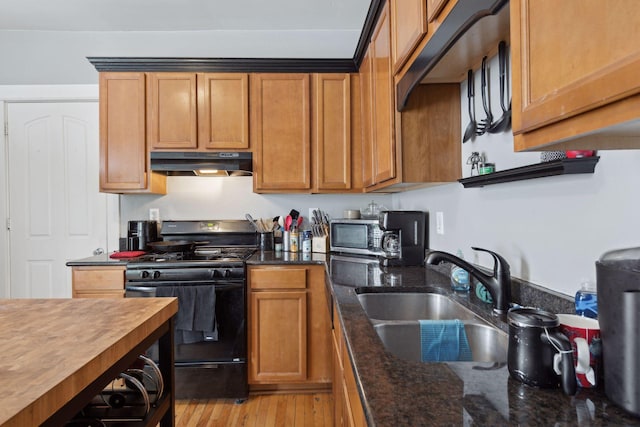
(193, 198)
(59, 57)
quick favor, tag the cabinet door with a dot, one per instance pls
(278, 345)
(384, 100)
(123, 155)
(171, 111)
(332, 131)
(573, 72)
(280, 132)
(223, 111)
(366, 94)
(354, 412)
(409, 25)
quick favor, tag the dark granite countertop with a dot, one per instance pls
(396, 392)
(287, 258)
(97, 260)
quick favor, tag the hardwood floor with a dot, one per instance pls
(287, 410)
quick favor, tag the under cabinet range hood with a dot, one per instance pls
(200, 163)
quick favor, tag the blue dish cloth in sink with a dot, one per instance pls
(444, 340)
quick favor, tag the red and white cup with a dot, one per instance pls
(584, 334)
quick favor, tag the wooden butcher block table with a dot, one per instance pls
(56, 354)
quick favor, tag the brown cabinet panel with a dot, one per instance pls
(171, 111)
(348, 410)
(278, 345)
(124, 163)
(573, 82)
(223, 110)
(430, 135)
(281, 132)
(408, 26)
(383, 100)
(332, 131)
(366, 94)
(97, 282)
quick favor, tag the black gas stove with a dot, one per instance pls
(220, 249)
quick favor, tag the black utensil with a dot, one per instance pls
(471, 127)
(503, 122)
(485, 124)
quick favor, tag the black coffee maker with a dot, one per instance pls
(140, 233)
(404, 237)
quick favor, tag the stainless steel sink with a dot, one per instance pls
(402, 339)
(413, 306)
(395, 316)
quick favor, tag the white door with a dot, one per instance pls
(56, 212)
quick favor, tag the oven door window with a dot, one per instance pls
(210, 324)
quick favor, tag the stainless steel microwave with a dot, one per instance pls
(356, 236)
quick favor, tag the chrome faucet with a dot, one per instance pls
(498, 284)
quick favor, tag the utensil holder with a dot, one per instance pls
(286, 241)
(320, 244)
(265, 241)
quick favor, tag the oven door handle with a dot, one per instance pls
(222, 285)
(143, 289)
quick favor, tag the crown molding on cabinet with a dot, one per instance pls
(221, 65)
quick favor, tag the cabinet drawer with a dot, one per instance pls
(278, 278)
(98, 279)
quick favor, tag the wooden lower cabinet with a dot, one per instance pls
(97, 282)
(348, 410)
(289, 328)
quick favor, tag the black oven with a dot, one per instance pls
(210, 326)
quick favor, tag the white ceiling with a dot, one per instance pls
(341, 16)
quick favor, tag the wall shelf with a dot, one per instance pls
(538, 170)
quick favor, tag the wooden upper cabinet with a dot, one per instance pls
(367, 111)
(281, 132)
(572, 85)
(332, 131)
(124, 164)
(408, 26)
(223, 110)
(172, 111)
(204, 111)
(434, 7)
(383, 100)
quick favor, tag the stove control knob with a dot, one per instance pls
(215, 273)
(227, 273)
(145, 274)
(156, 274)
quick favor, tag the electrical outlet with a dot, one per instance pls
(310, 217)
(439, 223)
(154, 214)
